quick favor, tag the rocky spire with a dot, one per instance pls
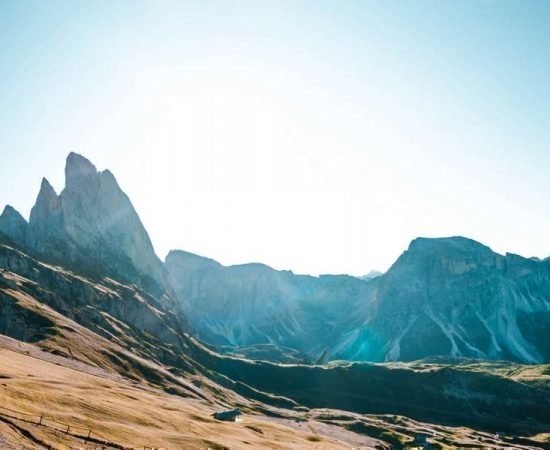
(45, 220)
(47, 202)
(13, 225)
(80, 174)
(92, 223)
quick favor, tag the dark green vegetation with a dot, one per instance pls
(435, 393)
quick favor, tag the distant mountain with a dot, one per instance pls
(450, 296)
(369, 276)
(455, 296)
(253, 304)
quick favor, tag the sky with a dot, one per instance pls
(316, 136)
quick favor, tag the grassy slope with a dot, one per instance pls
(127, 413)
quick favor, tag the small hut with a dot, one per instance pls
(229, 415)
(421, 440)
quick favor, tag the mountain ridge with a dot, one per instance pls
(447, 296)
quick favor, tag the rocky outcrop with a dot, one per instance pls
(13, 226)
(92, 223)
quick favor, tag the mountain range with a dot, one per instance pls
(449, 337)
(448, 296)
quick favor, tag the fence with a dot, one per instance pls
(86, 434)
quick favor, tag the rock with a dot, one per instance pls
(13, 225)
(455, 296)
(92, 222)
(45, 231)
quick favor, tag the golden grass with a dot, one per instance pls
(128, 414)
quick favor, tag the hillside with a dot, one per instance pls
(119, 329)
(123, 412)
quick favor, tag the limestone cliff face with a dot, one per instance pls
(455, 296)
(253, 304)
(92, 222)
(450, 296)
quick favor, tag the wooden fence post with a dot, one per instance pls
(40, 421)
(68, 428)
(88, 437)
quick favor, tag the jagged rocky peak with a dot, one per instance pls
(92, 220)
(47, 201)
(80, 174)
(45, 221)
(11, 215)
(13, 225)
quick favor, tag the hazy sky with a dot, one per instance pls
(319, 136)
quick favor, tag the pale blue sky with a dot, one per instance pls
(311, 135)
